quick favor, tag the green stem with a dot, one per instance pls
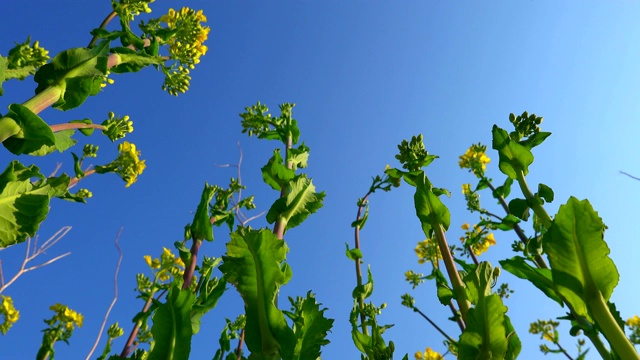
(106, 21)
(434, 325)
(73, 126)
(363, 318)
(607, 323)
(452, 271)
(533, 203)
(8, 128)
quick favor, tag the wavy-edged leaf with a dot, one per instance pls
(540, 278)
(578, 255)
(310, 327)
(429, 208)
(201, 228)
(275, 173)
(23, 204)
(252, 265)
(34, 132)
(512, 156)
(301, 202)
(514, 345)
(171, 328)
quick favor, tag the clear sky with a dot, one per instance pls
(364, 76)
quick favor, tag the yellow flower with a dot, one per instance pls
(11, 315)
(633, 321)
(427, 250)
(429, 354)
(475, 159)
(67, 316)
(477, 238)
(466, 189)
(465, 226)
(129, 163)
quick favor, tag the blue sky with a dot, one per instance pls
(364, 76)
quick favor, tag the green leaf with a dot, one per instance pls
(353, 254)
(514, 344)
(485, 335)
(201, 228)
(252, 266)
(429, 209)
(310, 328)
(23, 204)
(275, 173)
(545, 193)
(508, 222)
(298, 157)
(365, 290)
(77, 72)
(540, 278)
(363, 220)
(210, 292)
(444, 291)
(535, 139)
(34, 135)
(513, 156)
(132, 61)
(171, 328)
(502, 190)
(4, 64)
(519, 208)
(63, 142)
(578, 255)
(301, 202)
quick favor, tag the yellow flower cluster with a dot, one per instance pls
(477, 238)
(428, 250)
(546, 329)
(633, 321)
(128, 162)
(166, 266)
(414, 279)
(66, 316)
(11, 315)
(428, 354)
(187, 46)
(475, 159)
(466, 189)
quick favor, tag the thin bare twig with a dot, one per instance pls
(629, 175)
(115, 295)
(34, 251)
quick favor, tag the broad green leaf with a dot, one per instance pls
(201, 228)
(34, 135)
(252, 265)
(63, 142)
(171, 328)
(429, 209)
(508, 222)
(578, 255)
(4, 63)
(485, 336)
(310, 328)
(300, 202)
(77, 72)
(23, 204)
(503, 190)
(513, 157)
(275, 173)
(540, 278)
(479, 282)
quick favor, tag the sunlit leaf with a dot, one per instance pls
(172, 326)
(578, 255)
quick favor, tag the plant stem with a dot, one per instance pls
(533, 203)
(607, 323)
(539, 260)
(188, 273)
(452, 271)
(281, 223)
(74, 126)
(358, 263)
(434, 325)
(103, 25)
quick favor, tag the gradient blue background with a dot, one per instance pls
(364, 76)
